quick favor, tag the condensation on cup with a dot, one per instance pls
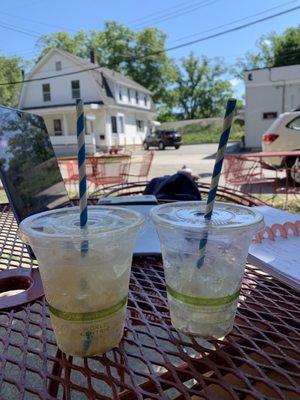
(203, 300)
(85, 273)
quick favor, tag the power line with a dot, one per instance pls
(37, 22)
(177, 13)
(160, 12)
(233, 22)
(34, 51)
(37, 34)
(170, 12)
(24, 31)
(162, 51)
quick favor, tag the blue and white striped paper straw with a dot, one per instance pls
(82, 171)
(229, 114)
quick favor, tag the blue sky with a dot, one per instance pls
(178, 18)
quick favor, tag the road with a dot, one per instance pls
(199, 157)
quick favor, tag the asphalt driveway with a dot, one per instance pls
(199, 157)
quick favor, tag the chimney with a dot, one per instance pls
(92, 56)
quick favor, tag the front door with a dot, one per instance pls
(114, 130)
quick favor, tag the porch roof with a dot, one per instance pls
(62, 107)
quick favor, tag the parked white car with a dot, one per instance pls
(284, 135)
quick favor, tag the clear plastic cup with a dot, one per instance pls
(203, 300)
(85, 273)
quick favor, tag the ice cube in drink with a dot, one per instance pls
(86, 292)
(203, 300)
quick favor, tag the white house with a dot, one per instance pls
(269, 92)
(117, 109)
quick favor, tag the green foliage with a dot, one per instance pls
(199, 133)
(264, 56)
(10, 70)
(154, 72)
(166, 115)
(199, 88)
(287, 48)
(114, 46)
(279, 201)
(123, 50)
(273, 50)
(24, 153)
(196, 89)
(77, 44)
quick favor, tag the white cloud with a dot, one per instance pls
(267, 42)
(234, 81)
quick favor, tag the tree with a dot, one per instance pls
(114, 46)
(77, 44)
(273, 51)
(264, 57)
(123, 50)
(10, 71)
(156, 71)
(287, 48)
(201, 92)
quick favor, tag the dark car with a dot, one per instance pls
(162, 139)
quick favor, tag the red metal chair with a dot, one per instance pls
(109, 172)
(142, 168)
(247, 175)
(69, 170)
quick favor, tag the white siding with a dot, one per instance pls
(258, 101)
(125, 100)
(60, 87)
(269, 90)
(62, 105)
(131, 133)
(100, 129)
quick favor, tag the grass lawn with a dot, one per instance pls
(199, 134)
(293, 204)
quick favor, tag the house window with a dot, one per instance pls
(137, 97)
(120, 94)
(121, 124)
(57, 127)
(270, 115)
(46, 92)
(139, 125)
(114, 124)
(75, 89)
(89, 126)
(145, 101)
(58, 66)
(129, 95)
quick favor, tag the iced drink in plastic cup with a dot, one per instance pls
(86, 290)
(203, 300)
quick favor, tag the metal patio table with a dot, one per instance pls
(258, 360)
(264, 160)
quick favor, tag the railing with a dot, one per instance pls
(68, 144)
